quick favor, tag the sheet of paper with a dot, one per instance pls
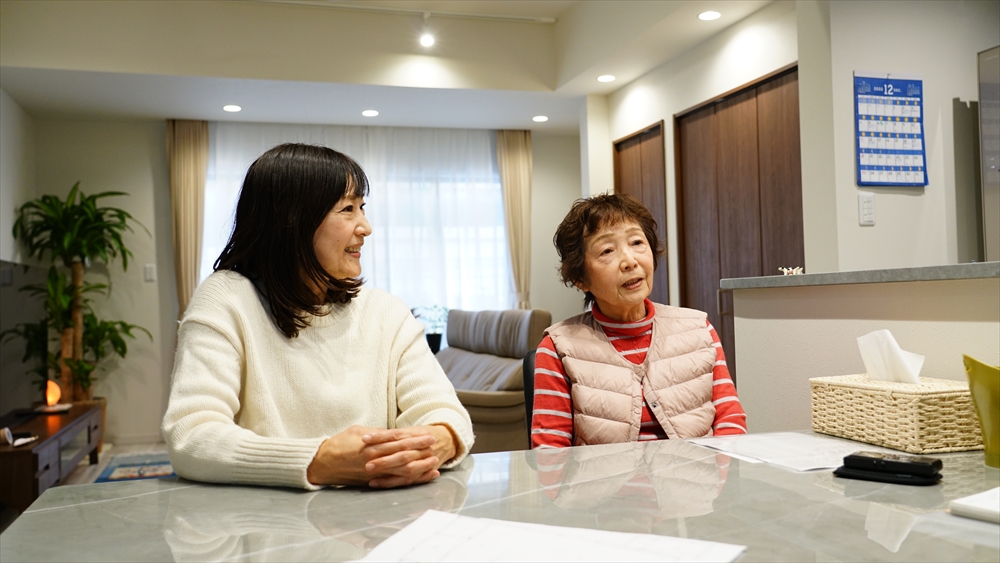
(442, 536)
(981, 506)
(801, 452)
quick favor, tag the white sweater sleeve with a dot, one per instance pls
(424, 395)
(204, 441)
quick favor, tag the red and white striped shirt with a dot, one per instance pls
(552, 419)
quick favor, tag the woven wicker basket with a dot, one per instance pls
(933, 416)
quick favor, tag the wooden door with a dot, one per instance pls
(739, 194)
(698, 217)
(739, 203)
(639, 164)
(781, 238)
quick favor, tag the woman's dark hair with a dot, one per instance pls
(587, 217)
(286, 195)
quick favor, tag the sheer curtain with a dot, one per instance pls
(436, 206)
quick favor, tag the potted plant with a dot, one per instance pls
(73, 233)
(435, 319)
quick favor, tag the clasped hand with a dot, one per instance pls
(382, 458)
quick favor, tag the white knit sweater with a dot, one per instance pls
(249, 405)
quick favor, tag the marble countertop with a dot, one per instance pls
(670, 488)
(926, 273)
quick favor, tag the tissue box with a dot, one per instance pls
(933, 416)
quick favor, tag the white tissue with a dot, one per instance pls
(886, 361)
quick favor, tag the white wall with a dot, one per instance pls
(596, 159)
(937, 41)
(784, 336)
(555, 185)
(17, 171)
(761, 43)
(819, 192)
(127, 156)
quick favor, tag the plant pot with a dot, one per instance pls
(434, 341)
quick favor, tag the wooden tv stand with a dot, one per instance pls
(63, 441)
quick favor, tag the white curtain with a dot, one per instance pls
(436, 206)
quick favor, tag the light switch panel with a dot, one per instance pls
(149, 272)
(866, 209)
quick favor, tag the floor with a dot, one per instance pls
(86, 473)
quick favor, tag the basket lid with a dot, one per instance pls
(927, 385)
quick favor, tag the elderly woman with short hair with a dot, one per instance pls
(628, 369)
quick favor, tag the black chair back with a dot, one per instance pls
(528, 370)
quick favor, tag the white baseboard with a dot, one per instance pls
(134, 439)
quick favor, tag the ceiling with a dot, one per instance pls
(60, 93)
(526, 9)
(69, 94)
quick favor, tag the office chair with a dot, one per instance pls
(528, 371)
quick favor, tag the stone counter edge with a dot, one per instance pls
(925, 273)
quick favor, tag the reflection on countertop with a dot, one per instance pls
(666, 488)
(337, 524)
(632, 486)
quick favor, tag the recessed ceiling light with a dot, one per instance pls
(231, 108)
(369, 113)
(606, 78)
(540, 118)
(427, 40)
(709, 16)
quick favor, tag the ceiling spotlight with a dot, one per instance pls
(606, 78)
(709, 16)
(231, 108)
(427, 40)
(369, 113)
(540, 118)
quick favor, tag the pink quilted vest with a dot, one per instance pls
(607, 389)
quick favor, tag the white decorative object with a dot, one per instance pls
(796, 271)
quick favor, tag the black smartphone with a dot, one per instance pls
(884, 477)
(893, 463)
(17, 435)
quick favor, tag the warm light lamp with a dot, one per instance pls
(52, 393)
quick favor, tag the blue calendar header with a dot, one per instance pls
(889, 131)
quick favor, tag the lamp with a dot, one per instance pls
(426, 39)
(52, 396)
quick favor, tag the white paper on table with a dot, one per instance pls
(801, 452)
(981, 506)
(442, 536)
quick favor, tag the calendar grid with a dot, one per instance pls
(889, 131)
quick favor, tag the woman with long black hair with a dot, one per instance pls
(288, 371)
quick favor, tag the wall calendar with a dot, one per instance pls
(889, 130)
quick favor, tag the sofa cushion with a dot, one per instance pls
(491, 399)
(470, 371)
(510, 333)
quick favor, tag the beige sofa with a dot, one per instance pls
(483, 362)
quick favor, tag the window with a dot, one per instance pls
(436, 206)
